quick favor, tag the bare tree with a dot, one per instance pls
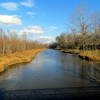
(2, 33)
(10, 42)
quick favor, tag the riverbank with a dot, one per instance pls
(92, 55)
(17, 58)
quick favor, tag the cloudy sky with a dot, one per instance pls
(41, 20)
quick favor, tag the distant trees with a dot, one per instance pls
(84, 32)
(53, 45)
(78, 41)
(10, 42)
(2, 40)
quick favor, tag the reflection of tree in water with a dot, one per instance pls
(95, 72)
(88, 70)
(79, 68)
(74, 65)
(70, 64)
(83, 69)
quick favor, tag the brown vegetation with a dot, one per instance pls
(17, 58)
(10, 42)
(16, 49)
(92, 55)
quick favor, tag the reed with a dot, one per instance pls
(18, 58)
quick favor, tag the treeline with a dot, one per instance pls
(78, 41)
(84, 32)
(10, 42)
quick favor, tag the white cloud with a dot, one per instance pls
(46, 39)
(32, 30)
(13, 31)
(51, 28)
(28, 3)
(10, 20)
(31, 13)
(9, 5)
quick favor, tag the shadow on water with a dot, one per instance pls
(74, 93)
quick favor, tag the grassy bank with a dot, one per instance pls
(17, 58)
(93, 55)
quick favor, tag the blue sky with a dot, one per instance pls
(41, 19)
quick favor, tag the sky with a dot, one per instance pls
(41, 20)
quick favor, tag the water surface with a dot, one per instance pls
(50, 69)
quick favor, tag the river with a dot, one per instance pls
(51, 69)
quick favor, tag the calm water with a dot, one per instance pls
(50, 69)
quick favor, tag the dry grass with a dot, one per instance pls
(86, 54)
(92, 54)
(17, 58)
